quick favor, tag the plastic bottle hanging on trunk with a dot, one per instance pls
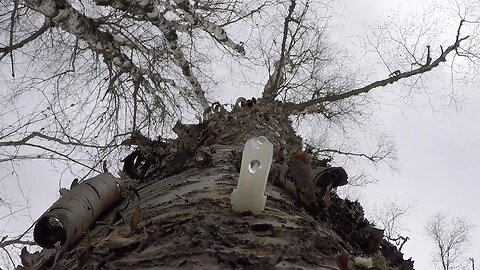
(256, 161)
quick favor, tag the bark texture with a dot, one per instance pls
(178, 215)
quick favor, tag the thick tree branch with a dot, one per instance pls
(147, 10)
(214, 30)
(275, 80)
(181, 61)
(317, 105)
(61, 13)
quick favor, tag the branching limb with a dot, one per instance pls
(8, 49)
(181, 61)
(16, 241)
(399, 241)
(104, 43)
(317, 105)
(4, 243)
(214, 30)
(372, 157)
(25, 142)
(62, 155)
(275, 80)
(148, 11)
(62, 14)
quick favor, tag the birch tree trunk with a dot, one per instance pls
(180, 215)
(115, 68)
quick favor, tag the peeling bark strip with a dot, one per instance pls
(70, 216)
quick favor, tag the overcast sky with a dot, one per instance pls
(438, 158)
(438, 153)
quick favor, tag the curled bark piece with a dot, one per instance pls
(240, 103)
(330, 176)
(136, 165)
(71, 215)
(207, 113)
(218, 108)
(249, 103)
(327, 178)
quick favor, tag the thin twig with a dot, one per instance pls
(12, 28)
(9, 256)
(6, 50)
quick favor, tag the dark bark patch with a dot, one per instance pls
(261, 227)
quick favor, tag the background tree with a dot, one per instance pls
(451, 237)
(98, 73)
(390, 217)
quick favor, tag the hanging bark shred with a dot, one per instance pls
(135, 218)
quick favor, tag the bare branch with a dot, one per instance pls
(16, 241)
(8, 49)
(317, 105)
(34, 134)
(451, 237)
(150, 12)
(62, 155)
(12, 28)
(270, 90)
(214, 30)
(390, 216)
(372, 157)
(9, 256)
